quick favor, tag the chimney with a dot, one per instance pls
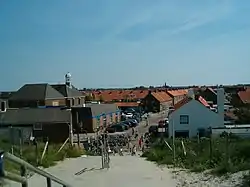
(191, 93)
(220, 106)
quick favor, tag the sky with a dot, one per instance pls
(124, 43)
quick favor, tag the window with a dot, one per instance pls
(184, 119)
(38, 127)
(55, 103)
(79, 101)
(73, 101)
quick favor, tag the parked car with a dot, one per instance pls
(110, 130)
(130, 110)
(118, 128)
(124, 124)
(128, 122)
(133, 122)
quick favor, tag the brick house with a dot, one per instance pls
(156, 101)
(176, 95)
(93, 116)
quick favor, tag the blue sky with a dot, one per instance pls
(124, 43)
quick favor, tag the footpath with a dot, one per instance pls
(124, 171)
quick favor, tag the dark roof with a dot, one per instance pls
(26, 116)
(98, 109)
(36, 92)
(67, 91)
(5, 95)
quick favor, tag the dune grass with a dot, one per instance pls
(29, 154)
(221, 155)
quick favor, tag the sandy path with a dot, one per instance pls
(125, 171)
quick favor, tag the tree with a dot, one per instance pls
(243, 115)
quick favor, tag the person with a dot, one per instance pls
(143, 148)
(134, 150)
(109, 150)
(140, 142)
(133, 131)
(130, 147)
(136, 135)
(147, 142)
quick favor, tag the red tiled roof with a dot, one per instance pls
(165, 96)
(119, 95)
(203, 101)
(244, 96)
(175, 93)
(161, 96)
(127, 104)
(140, 94)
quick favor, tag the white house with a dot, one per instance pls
(192, 116)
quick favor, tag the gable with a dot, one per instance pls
(52, 93)
(149, 98)
(189, 108)
(67, 91)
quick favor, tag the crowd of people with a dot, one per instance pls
(139, 143)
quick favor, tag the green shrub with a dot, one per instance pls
(74, 152)
(227, 156)
(51, 156)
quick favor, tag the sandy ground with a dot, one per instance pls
(204, 179)
(125, 171)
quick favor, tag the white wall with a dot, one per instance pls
(199, 117)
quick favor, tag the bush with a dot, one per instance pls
(74, 152)
(51, 156)
(227, 156)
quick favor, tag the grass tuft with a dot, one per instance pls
(227, 155)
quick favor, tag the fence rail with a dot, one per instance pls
(24, 166)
